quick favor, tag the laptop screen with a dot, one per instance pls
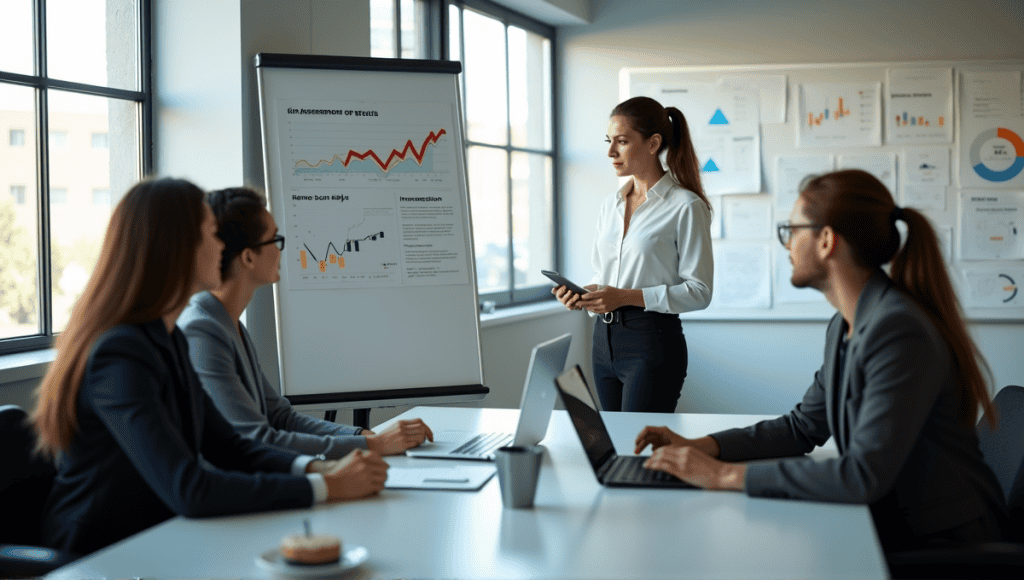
(546, 362)
(585, 417)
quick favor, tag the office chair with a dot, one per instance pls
(25, 483)
(1003, 449)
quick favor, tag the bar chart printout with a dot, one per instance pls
(839, 115)
(919, 106)
(373, 197)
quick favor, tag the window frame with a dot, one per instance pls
(41, 83)
(435, 32)
(508, 17)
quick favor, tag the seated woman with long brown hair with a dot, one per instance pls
(122, 409)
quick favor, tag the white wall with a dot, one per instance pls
(754, 367)
(197, 128)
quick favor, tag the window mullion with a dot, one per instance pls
(438, 31)
(556, 203)
(462, 53)
(44, 277)
(40, 38)
(146, 86)
(398, 28)
(508, 171)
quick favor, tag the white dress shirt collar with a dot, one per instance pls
(659, 190)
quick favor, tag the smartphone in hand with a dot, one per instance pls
(563, 281)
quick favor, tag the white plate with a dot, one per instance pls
(352, 557)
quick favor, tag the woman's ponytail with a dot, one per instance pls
(919, 269)
(681, 157)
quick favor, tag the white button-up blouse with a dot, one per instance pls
(666, 252)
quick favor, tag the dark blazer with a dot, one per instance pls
(231, 374)
(143, 423)
(894, 417)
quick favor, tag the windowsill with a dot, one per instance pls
(25, 366)
(522, 313)
(33, 364)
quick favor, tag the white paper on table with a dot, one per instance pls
(742, 276)
(771, 93)
(839, 115)
(747, 218)
(785, 291)
(994, 286)
(456, 477)
(919, 105)
(924, 197)
(724, 123)
(991, 130)
(992, 225)
(881, 165)
(790, 170)
(926, 165)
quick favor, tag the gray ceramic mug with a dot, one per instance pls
(518, 470)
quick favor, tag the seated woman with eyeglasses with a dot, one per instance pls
(224, 356)
(121, 407)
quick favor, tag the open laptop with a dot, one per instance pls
(546, 361)
(611, 469)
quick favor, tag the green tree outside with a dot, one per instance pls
(18, 292)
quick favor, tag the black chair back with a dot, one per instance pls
(25, 479)
(1003, 449)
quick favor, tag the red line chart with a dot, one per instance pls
(395, 157)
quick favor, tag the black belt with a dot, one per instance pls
(624, 313)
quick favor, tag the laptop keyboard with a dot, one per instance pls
(483, 444)
(631, 470)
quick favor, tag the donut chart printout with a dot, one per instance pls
(994, 286)
(992, 225)
(997, 154)
(992, 135)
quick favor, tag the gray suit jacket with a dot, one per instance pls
(893, 414)
(229, 371)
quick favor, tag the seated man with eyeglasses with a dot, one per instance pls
(224, 356)
(899, 389)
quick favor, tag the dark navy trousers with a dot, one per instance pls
(639, 361)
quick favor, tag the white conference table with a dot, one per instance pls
(576, 529)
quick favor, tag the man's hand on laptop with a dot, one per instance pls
(695, 467)
(691, 460)
(399, 437)
(658, 437)
(359, 474)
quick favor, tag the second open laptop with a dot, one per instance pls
(611, 469)
(546, 362)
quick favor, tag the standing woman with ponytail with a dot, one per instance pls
(899, 389)
(652, 257)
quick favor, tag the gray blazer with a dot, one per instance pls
(893, 415)
(229, 371)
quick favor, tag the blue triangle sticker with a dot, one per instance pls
(710, 166)
(719, 118)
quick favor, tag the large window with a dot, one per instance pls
(507, 95)
(74, 100)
